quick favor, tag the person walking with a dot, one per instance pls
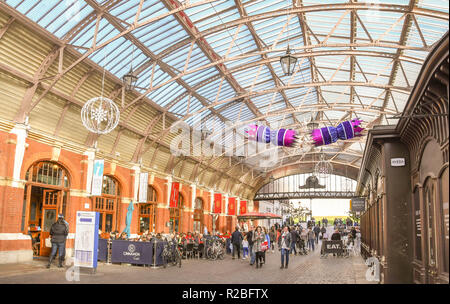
(284, 245)
(58, 234)
(311, 239)
(323, 230)
(258, 239)
(250, 245)
(294, 237)
(317, 232)
(236, 240)
(245, 248)
(272, 236)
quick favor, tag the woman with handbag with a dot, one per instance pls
(258, 239)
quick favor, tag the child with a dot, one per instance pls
(245, 247)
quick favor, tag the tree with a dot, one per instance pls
(354, 216)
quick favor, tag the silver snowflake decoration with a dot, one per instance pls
(100, 115)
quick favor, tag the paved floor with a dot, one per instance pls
(302, 270)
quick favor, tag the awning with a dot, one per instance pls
(258, 216)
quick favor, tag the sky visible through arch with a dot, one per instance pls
(326, 207)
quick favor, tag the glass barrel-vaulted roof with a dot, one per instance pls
(220, 59)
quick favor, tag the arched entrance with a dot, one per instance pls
(176, 215)
(46, 194)
(198, 215)
(108, 205)
(147, 215)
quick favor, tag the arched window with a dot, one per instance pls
(46, 194)
(176, 215)
(198, 214)
(107, 204)
(147, 214)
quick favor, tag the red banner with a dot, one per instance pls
(174, 195)
(217, 202)
(243, 209)
(232, 206)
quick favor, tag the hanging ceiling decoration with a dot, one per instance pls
(100, 115)
(323, 168)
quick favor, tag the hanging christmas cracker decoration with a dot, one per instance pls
(322, 136)
(263, 134)
(345, 130)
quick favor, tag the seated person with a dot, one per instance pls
(123, 236)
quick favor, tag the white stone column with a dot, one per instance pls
(212, 201)
(226, 203)
(137, 172)
(21, 131)
(194, 194)
(90, 153)
(169, 189)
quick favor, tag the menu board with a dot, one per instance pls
(358, 204)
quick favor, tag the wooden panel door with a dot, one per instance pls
(50, 202)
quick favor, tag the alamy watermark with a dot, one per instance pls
(373, 273)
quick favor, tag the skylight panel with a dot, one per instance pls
(259, 7)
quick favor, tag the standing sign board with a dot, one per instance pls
(97, 177)
(332, 247)
(86, 239)
(357, 204)
(143, 186)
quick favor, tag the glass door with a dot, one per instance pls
(50, 203)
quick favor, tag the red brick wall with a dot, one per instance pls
(11, 199)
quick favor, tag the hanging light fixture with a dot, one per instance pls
(129, 79)
(288, 61)
(323, 168)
